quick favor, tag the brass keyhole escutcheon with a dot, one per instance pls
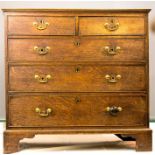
(77, 69)
(77, 100)
(77, 43)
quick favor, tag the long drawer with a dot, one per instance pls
(41, 25)
(51, 110)
(76, 78)
(111, 26)
(76, 49)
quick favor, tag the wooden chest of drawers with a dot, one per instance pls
(77, 71)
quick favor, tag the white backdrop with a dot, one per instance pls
(79, 4)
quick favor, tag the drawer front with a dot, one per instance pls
(18, 25)
(111, 26)
(77, 110)
(68, 49)
(76, 78)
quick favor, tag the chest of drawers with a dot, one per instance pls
(77, 71)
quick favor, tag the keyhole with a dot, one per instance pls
(77, 69)
(78, 43)
(112, 21)
(77, 100)
(112, 78)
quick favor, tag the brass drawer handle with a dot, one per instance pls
(112, 50)
(112, 24)
(42, 50)
(42, 79)
(41, 25)
(114, 110)
(113, 78)
(43, 113)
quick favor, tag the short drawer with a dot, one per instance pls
(73, 49)
(111, 26)
(76, 78)
(18, 25)
(51, 110)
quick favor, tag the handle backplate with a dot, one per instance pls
(40, 25)
(112, 24)
(42, 50)
(112, 50)
(42, 79)
(114, 110)
(113, 78)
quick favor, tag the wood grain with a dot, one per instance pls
(64, 78)
(95, 26)
(67, 111)
(77, 39)
(18, 25)
(17, 135)
(64, 49)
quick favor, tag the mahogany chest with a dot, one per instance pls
(77, 71)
